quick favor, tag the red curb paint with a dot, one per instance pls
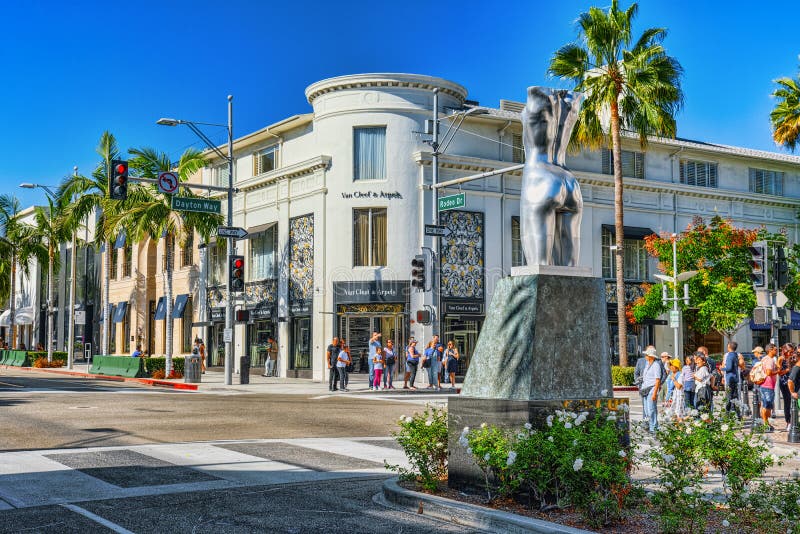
(147, 381)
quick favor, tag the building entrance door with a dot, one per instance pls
(464, 332)
(356, 328)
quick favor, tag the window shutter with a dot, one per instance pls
(517, 150)
(712, 175)
(639, 165)
(607, 163)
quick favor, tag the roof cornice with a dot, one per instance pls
(385, 79)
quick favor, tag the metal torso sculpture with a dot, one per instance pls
(551, 205)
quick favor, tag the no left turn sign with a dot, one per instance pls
(168, 182)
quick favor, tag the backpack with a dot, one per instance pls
(715, 383)
(663, 372)
(757, 374)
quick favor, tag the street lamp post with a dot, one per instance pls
(229, 345)
(675, 280)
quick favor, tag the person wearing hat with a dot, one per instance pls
(677, 407)
(730, 366)
(651, 381)
(665, 391)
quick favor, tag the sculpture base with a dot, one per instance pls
(463, 473)
(552, 270)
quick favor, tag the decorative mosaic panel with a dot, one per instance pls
(301, 259)
(462, 255)
(263, 291)
(633, 291)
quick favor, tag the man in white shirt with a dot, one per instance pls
(651, 381)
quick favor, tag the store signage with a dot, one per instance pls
(463, 307)
(263, 311)
(373, 291)
(388, 195)
(218, 315)
(452, 202)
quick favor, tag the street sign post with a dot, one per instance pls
(674, 318)
(435, 230)
(452, 202)
(231, 231)
(227, 335)
(168, 182)
(201, 205)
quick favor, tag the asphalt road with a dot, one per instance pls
(40, 411)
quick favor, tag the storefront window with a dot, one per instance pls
(262, 254)
(258, 335)
(187, 339)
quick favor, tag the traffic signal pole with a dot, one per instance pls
(435, 270)
(230, 346)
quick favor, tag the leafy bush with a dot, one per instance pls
(160, 375)
(424, 441)
(153, 364)
(577, 459)
(765, 499)
(42, 363)
(622, 376)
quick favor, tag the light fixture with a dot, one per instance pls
(168, 122)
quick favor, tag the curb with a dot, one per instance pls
(464, 514)
(146, 381)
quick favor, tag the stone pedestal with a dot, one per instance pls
(544, 346)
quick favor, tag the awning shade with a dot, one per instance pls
(110, 313)
(161, 309)
(260, 228)
(120, 242)
(631, 232)
(759, 326)
(119, 312)
(180, 306)
(23, 316)
(795, 321)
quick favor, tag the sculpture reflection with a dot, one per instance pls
(551, 205)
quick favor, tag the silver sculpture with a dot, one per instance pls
(551, 205)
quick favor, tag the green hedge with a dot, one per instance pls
(57, 355)
(156, 363)
(621, 376)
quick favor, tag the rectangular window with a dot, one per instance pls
(517, 149)
(187, 251)
(217, 256)
(113, 263)
(127, 262)
(186, 327)
(262, 264)
(369, 153)
(699, 173)
(635, 264)
(369, 237)
(169, 241)
(221, 175)
(632, 163)
(517, 256)
(766, 182)
(265, 160)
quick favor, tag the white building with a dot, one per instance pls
(335, 201)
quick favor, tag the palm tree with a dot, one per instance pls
(51, 230)
(633, 88)
(150, 215)
(20, 244)
(88, 195)
(785, 117)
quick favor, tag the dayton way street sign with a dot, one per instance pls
(231, 231)
(452, 202)
(202, 205)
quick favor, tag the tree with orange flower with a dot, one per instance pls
(721, 295)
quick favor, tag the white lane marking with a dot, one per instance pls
(97, 519)
(10, 384)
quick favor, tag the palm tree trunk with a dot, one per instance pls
(12, 297)
(49, 303)
(106, 297)
(619, 230)
(168, 298)
(72, 288)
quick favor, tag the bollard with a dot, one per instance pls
(244, 370)
(794, 431)
(756, 409)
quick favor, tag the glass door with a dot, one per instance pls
(301, 343)
(464, 332)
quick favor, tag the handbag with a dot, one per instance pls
(426, 363)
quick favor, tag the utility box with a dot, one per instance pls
(191, 369)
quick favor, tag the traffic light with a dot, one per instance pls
(418, 272)
(242, 316)
(758, 264)
(424, 316)
(118, 182)
(236, 274)
(781, 268)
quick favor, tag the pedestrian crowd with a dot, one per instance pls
(439, 364)
(687, 387)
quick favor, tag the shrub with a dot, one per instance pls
(577, 459)
(41, 362)
(424, 441)
(158, 374)
(622, 376)
(765, 499)
(160, 363)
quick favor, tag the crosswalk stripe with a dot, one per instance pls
(97, 519)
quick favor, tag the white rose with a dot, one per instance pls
(550, 439)
(469, 450)
(463, 441)
(428, 422)
(466, 430)
(668, 458)
(574, 442)
(611, 418)
(604, 393)
(549, 420)
(484, 425)
(726, 523)
(528, 426)
(622, 454)
(568, 425)
(487, 456)
(512, 457)
(724, 428)
(687, 490)
(578, 464)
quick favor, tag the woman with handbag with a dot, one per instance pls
(702, 380)
(412, 361)
(676, 407)
(429, 364)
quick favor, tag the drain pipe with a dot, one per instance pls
(500, 133)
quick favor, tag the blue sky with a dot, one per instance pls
(72, 70)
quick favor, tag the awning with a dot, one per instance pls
(795, 321)
(759, 326)
(260, 228)
(119, 312)
(161, 309)
(120, 242)
(180, 306)
(631, 232)
(22, 316)
(110, 313)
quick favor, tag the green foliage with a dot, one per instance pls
(721, 295)
(159, 364)
(57, 355)
(773, 507)
(622, 376)
(424, 440)
(577, 460)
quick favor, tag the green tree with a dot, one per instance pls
(51, 230)
(785, 116)
(150, 215)
(721, 294)
(628, 85)
(88, 195)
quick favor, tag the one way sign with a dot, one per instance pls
(231, 231)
